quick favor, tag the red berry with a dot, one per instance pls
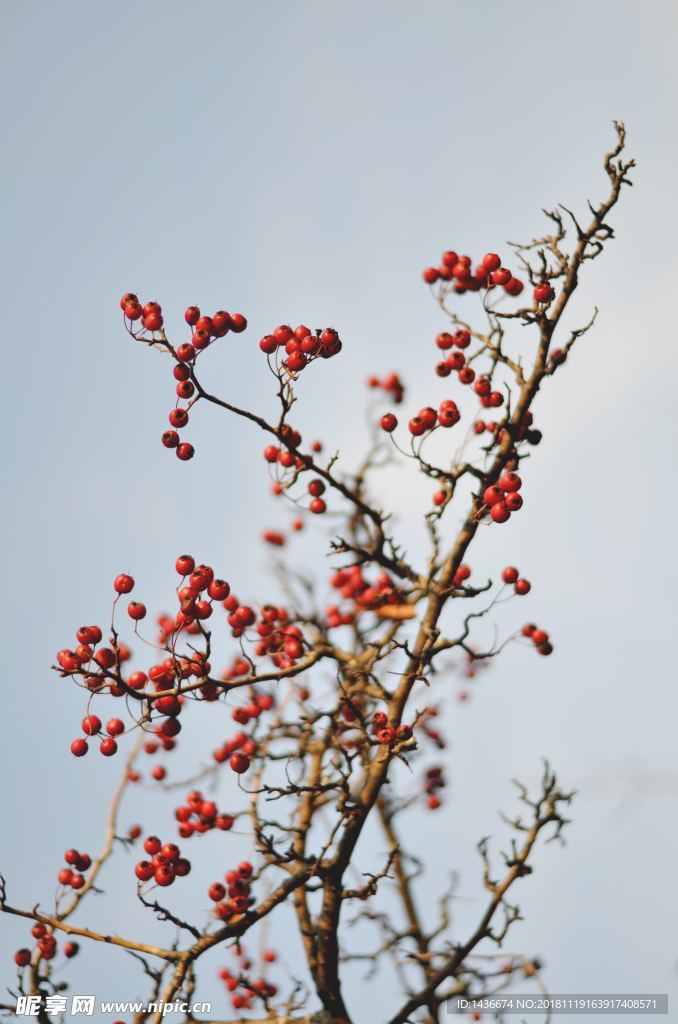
(114, 726)
(499, 512)
(216, 892)
(186, 353)
(491, 262)
(185, 565)
(388, 422)
(108, 747)
(170, 439)
(136, 610)
(164, 874)
(513, 501)
(178, 418)
(544, 293)
(153, 321)
(133, 311)
(239, 762)
(185, 389)
(430, 275)
(510, 574)
(268, 344)
(318, 506)
(70, 949)
(510, 482)
(514, 286)
(22, 957)
(493, 495)
(123, 583)
(523, 587)
(152, 845)
(238, 323)
(185, 451)
(127, 298)
(91, 725)
(192, 315)
(218, 590)
(79, 748)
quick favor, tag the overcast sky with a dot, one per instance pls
(302, 162)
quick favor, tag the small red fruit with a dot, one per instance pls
(123, 583)
(499, 512)
(239, 762)
(185, 451)
(493, 495)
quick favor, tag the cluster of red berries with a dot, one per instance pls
(92, 726)
(204, 330)
(289, 461)
(455, 361)
(207, 328)
(426, 420)
(386, 734)
(488, 274)
(105, 658)
(301, 345)
(281, 641)
(178, 416)
(434, 780)
(391, 384)
(150, 314)
(353, 586)
(243, 990)
(502, 498)
(237, 751)
(72, 875)
(249, 712)
(511, 575)
(235, 897)
(197, 595)
(166, 863)
(539, 638)
(200, 815)
(46, 946)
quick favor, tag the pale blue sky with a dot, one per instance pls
(302, 161)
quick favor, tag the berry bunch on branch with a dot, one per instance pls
(332, 694)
